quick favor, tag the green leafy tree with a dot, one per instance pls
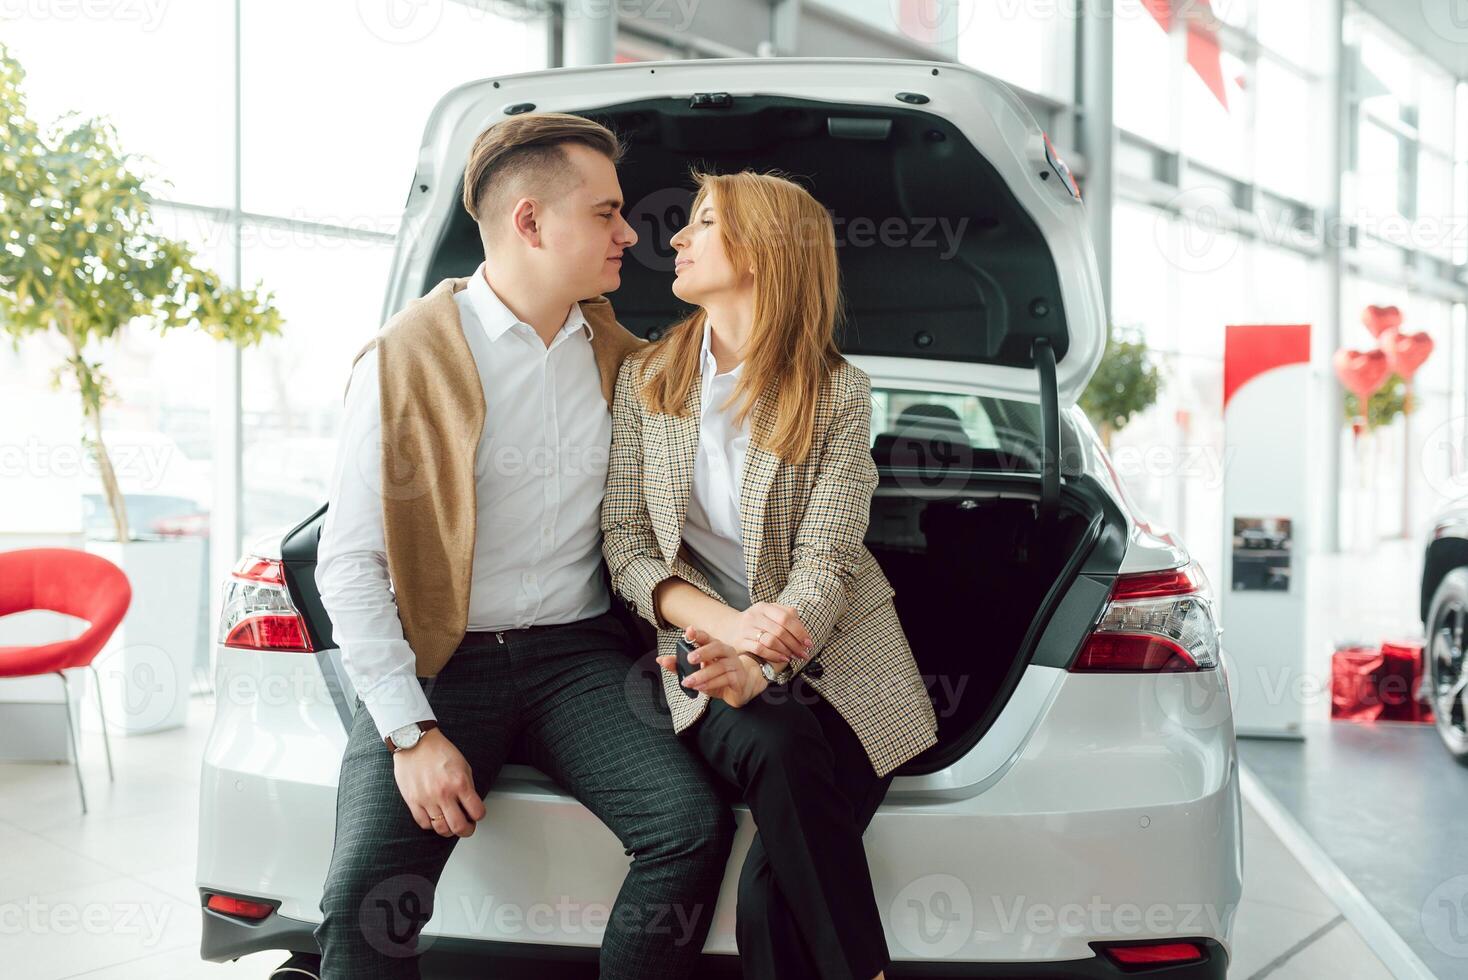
(80, 259)
(1125, 383)
(1385, 403)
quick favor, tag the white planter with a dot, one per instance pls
(145, 669)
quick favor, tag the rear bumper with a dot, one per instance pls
(226, 938)
(1116, 819)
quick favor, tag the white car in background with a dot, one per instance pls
(1080, 815)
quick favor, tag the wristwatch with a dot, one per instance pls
(769, 671)
(407, 736)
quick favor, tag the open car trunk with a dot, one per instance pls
(984, 587)
(948, 255)
(940, 259)
(978, 576)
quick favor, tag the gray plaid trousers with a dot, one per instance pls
(562, 691)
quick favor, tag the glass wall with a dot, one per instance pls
(1223, 189)
(332, 98)
(327, 144)
(1403, 193)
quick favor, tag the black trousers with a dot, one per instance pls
(562, 695)
(806, 907)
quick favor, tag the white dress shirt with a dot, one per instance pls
(539, 476)
(711, 528)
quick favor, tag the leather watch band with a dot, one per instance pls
(422, 725)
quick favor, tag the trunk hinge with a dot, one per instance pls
(1043, 355)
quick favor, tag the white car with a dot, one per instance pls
(1080, 816)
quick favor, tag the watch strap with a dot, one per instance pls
(423, 726)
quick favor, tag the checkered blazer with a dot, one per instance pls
(803, 530)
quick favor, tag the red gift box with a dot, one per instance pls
(1377, 684)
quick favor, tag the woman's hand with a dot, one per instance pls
(723, 672)
(768, 631)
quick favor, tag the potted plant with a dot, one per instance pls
(1125, 383)
(80, 260)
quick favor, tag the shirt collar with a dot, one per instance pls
(495, 317)
(708, 361)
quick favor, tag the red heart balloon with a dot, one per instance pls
(1379, 318)
(1405, 352)
(1361, 371)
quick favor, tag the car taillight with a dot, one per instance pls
(258, 613)
(240, 907)
(1154, 621)
(1142, 955)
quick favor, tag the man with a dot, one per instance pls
(460, 562)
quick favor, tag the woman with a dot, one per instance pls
(738, 494)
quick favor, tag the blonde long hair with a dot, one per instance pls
(773, 225)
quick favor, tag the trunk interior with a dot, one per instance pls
(977, 575)
(960, 273)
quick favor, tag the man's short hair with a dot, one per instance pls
(527, 151)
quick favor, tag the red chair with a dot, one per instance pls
(76, 583)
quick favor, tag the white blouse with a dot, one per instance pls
(711, 528)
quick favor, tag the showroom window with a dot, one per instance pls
(328, 143)
(1215, 215)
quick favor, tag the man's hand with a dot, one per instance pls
(767, 631)
(436, 781)
(723, 672)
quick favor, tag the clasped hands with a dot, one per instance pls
(729, 657)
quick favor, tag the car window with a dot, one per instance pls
(927, 429)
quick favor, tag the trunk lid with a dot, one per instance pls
(961, 237)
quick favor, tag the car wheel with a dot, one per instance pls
(1447, 677)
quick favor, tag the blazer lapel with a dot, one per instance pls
(680, 449)
(610, 342)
